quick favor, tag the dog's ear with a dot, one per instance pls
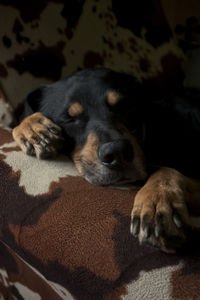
(30, 105)
(33, 100)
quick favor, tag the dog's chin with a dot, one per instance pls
(103, 181)
(115, 179)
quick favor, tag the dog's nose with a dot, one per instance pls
(115, 153)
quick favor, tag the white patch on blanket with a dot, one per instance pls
(152, 285)
(5, 113)
(62, 292)
(25, 292)
(37, 175)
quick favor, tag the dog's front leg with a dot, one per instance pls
(39, 136)
(162, 209)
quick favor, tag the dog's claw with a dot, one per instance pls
(54, 130)
(162, 211)
(135, 226)
(147, 231)
(177, 220)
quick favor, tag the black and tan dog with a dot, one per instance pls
(116, 132)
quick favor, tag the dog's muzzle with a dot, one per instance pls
(110, 162)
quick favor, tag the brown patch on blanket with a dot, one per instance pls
(3, 71)
(43, 61)
(79, 228)
(6, 137)
(15, 267)
(185, 284)
(16, 198)
(117, 293)
(7, 149)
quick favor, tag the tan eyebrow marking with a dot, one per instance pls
(75, 109)
(113, 97)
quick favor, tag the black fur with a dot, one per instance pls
(172, 123)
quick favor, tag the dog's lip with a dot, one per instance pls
(119, 180)
(128, 183)
(101, 181)
(121, 184)
(128, 175)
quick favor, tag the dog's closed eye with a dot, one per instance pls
(70, 119)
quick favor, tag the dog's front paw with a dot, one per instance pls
(160, 215)
(37, 135)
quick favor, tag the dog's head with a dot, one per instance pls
(101, 115)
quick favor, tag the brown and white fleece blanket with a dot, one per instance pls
(63, 238)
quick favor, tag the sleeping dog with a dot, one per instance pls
(117, 132)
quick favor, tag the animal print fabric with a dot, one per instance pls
(63, 238)
(46, 40)
(6, 112)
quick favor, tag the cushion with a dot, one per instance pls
(76, 235)
(6, 112)
(37, 48)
